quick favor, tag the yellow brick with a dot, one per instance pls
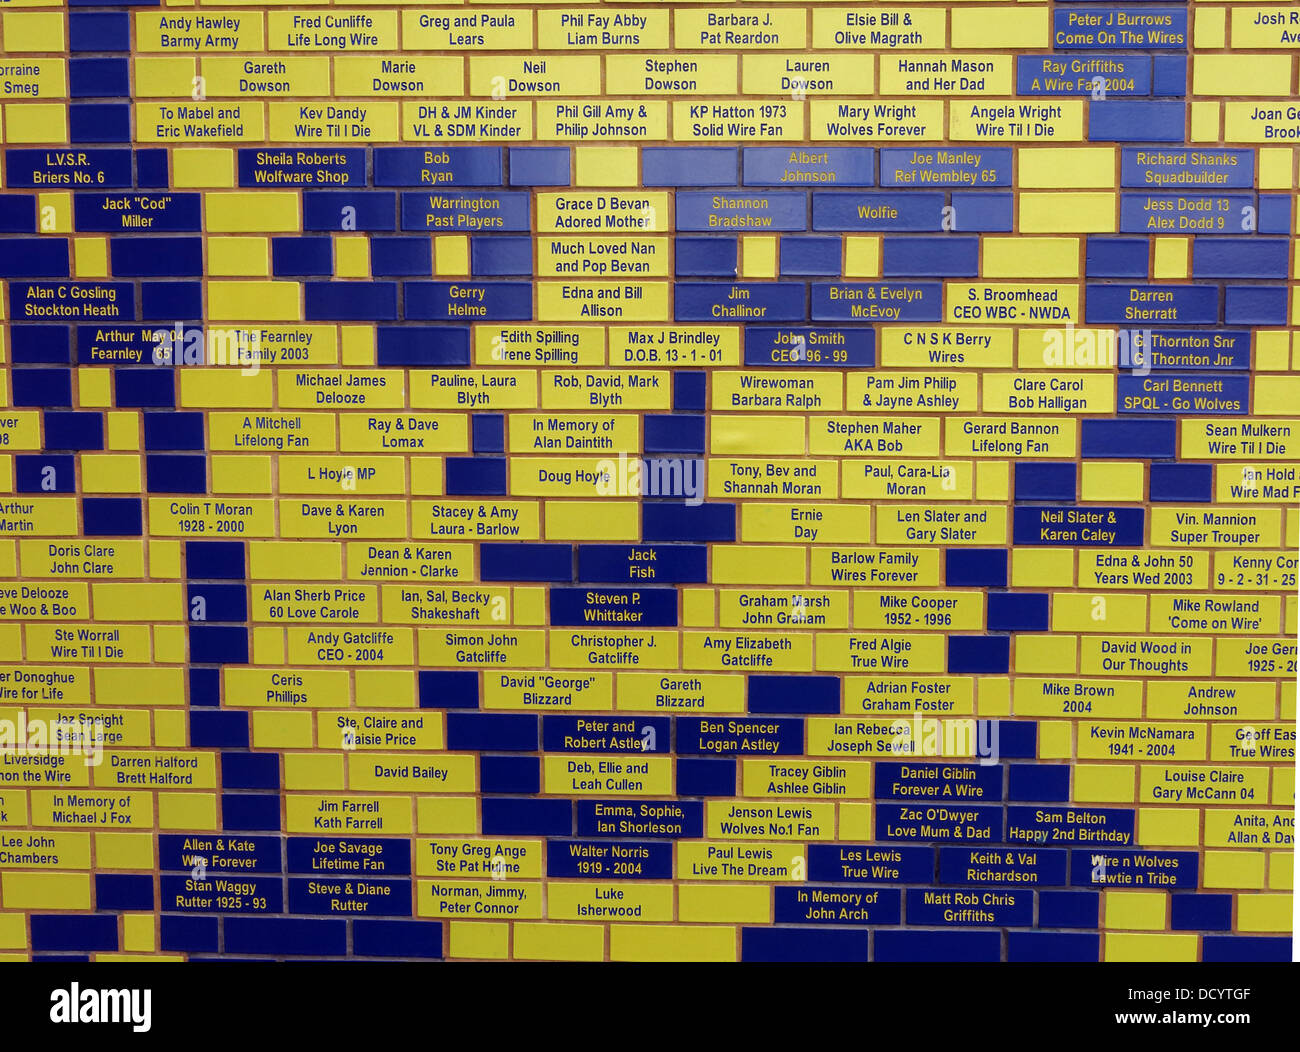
(32, 32)
(90, 257)
(451, 255)
(862, 257)
(351, 257)
(111, 472)
(1135, 910)
(45, 891)
(1054, 167)
(124, 851)
(855, 822)
(758, 435)
(225, 388)
(1281, 871)
(724, 903)
(1272, 350)
(201, 167)
(165, 559)
(282, 730)
(241, 474)
(1209, 31)
(1264, 913)
(992, 480)
(1096, 783)
(993, 696)
(447, 815)
(170, 727)
(699, 607)
(1112, 482)
(1276, 168)
(1129, 946)
(1168, 827)
(1235, 74)
(1031, 257)
(187, 811)
(1276, 395)
(170, 644)
(313, 771)
(138, 601)
(1172, 257)
(606, 166)
(273, 211)
(13, 931)
(666, 942)
(295, 560)
(592, 520)
(1205, 121)
(124, 430)
(54, 212)
(1049, 655)
(738, 565)
(94, 388)
(530, 606)
(1042, 568)
(263, 300)
(1073, 213)
(158, 77)
(1233, 869)
(757, 256)
(559, 942)
(1001, 27)
(239, 257)
(268, 646)
(481, 941)
(358, 345)
(138, 934)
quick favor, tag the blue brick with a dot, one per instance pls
(1170, 75)
(422, 346)
(176, 473)
(1017, 740)
(525, 816)
(690, 166)
(45, 473)
(218, 644)
(987, 654)
(151, 169)
(112, 517)
(397, 938)
(1038, 783)
(42, 388)
(1227, 257)
(350, 301)
(99, 122)
(539, 166)
(188, 934)
(301, 257)
(251, 812)
(672, 521)
(1200, 913)
(219, 729)
(475, 476)
(507, 561)
(250, 770)
(99, 31)
(94, 78)
(1068, 909)
(954, 946)
(812, 256)
(1039, 480)
(1255, 305)
(1136, 120)
(1113, 257)
(510, 774)
(286, 936)
(689, 394)
(1274, 213)
(17, 213)
(376, 210)
(144, 388)
(205, 686)
(1182, 482)
(983, 211)
(930, 257)
(75, 430)
(1017, 612)
(805, 694)
(489, 431)
(706, 777)
(1052, 947)
(975, 567)
(450, 689)
(677, 433)
(1133, 439)
(500, 256)
(45, 257)
(221, 602)
(475, 731)
(706, 257)
(215, 560)
(70, 931)
(40, 344)
(1222, 949)
(171, 301)
(401, 257)
(803, 944)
